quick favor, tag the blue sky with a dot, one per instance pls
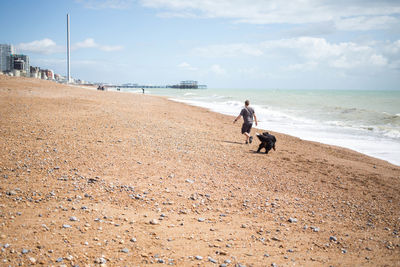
(298, 44)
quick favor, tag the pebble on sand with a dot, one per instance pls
(154, 222)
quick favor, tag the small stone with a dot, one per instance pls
(212, 260)
(11, 193)
(133, 239)
(201, 219)
(199, 258)
(59, 259)
(69, 257)
(73, 219)
(344, 251)
(292, 220)
(333, 238)
(100, 261)
(32, 260)
(189, 181)
(66, 226)
(315, 229)
(154, 222)
(125, 250)
(24, 251)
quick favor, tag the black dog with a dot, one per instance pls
(267, 141)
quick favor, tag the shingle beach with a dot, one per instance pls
(93, 178)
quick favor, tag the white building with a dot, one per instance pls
(6, 51)
(20, 63)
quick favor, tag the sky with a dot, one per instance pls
(257, 44)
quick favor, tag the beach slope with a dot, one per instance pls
(91, 177)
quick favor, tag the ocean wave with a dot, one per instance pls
(388, 132)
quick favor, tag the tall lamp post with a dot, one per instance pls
(68, 53)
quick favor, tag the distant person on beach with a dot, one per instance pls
(143, 90)
(247, 113)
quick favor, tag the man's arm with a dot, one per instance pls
(237, 118)
(255, 118)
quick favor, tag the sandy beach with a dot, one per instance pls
(119, 179)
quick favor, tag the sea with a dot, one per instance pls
(362, 120)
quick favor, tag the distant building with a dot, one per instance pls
(43, 74)
(35, 72)
(20, 64)
(186, 85)
(6, 51)
(49, 74)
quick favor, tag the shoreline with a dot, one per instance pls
(294, 136)
(92, 177)
(372, 154)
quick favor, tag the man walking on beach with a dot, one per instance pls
(247, 113)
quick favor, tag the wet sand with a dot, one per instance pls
(119, 179)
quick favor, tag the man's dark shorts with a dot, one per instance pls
(246, 127)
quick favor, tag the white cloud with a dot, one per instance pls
(110, 48)
(217, 69)
(105, 4)
(187, 66)
(363, 23)
(48, 46)
(45, 46)
(87, 43)
(90, 43)
(309, 53)
(230, 50)
(307, 66)
(348, 15)
(378, 60)
(248, 71)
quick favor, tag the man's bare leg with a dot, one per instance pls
(247, 137)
